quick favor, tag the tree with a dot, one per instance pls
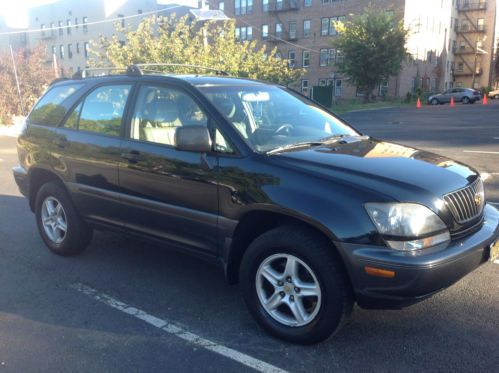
(34, 77)
(373, 49)
(180, 41)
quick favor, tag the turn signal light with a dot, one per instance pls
(379, 272)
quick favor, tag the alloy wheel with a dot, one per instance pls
(54, 220)
(288, 290)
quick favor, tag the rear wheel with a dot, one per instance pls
(295, 285)
(466, 100)
(60, 227)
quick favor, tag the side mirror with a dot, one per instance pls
(193, 139)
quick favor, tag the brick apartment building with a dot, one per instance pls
(451, 41)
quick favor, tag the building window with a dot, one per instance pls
(306, 59)
(68, 27)
(249, 33)
(324, 26)
(61, 30)
(481, 24)
(70, 51)
(304, 87)
(42, 26)
(243, 7)
(77, 48)
(322, 82)
(460, 67)
(338, 87)
(265, 32)
(291, 58)
(249, 8)
(76, 23)
(383, 89)
(52, 29)
(339, 57)
(292, 30)
(327, 25)
(306, 28)
(221, 6)
(61, 52)
(265, 5)
(85, 49)
(121, 17)
(139, 11)
(278, 30)
(237, 33)
(327, 57)
(85, 21)
(54, 50)
(244, 33)
(307, 3)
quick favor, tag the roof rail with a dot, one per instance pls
(57, 80)
(146, 67)
(82, 74)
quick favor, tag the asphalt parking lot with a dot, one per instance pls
(125, 305)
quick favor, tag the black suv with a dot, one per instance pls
(305, 212)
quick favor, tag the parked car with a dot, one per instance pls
(305, 212)
(464, 95)
(494, 94)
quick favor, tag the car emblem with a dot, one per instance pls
(478, 199)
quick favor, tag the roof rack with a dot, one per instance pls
(84, 73)
(146, 67)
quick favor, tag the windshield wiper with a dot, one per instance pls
(294, 146)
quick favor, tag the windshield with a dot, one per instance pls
(270, 117)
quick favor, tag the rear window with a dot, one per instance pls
(49, 110)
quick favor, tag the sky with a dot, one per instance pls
(15, 11)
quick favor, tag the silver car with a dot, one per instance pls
(464, 95)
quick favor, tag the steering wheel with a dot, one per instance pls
(286, 128)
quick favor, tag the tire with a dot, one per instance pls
(496, 97)
(54, 206)
(318, 264)
(435, 102)
(465, 100)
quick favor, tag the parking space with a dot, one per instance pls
(61, 314)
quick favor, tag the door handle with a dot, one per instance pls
(133, 156)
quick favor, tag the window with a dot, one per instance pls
(61, 52)
(121, 18)
(42, 26)
(243, 7)
(291, 58)
(70, 51)
(52, 29)
(221, 6)
(85, 49)
(61, 30)
(339, 57)
(278, 30)
(49, 111)
(72, 121)
(76, 23)
(383, 89)
(249, 33)
(307, 3)
(244, 33)
(139, 11)
(265, 32)
(54, 50)
(77, 48)
(85, 21)
(304, 87)
(249, 7)
(292, 30)
(481, 24)
(306, 58)
(68, 27)
(160, 111)
(337, 87)
(327, 57)
(103, 109)
(460, 67)
(322, 82)
(265, 5)
(324, 26)
(306, 28)
(237, 32)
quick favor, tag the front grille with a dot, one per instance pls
(467, 203)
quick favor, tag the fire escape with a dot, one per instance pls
(276, 8)
(471, 30)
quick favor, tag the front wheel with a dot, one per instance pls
(435, 101)
(466, 100)
(295, 285)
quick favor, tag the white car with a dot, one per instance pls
(494, 94)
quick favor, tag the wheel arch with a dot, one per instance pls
(37, 177)
(256, 222)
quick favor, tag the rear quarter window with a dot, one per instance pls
(49, 110)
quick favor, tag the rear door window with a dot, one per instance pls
(49, 110)
(102, 110)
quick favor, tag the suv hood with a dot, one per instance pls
(394, 170)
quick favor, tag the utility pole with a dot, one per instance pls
(17, 80)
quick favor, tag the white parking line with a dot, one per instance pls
(479, 152)
(171, 328)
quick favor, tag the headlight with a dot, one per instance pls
(408, 226)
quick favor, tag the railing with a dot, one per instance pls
(465, 5)
(281, 6)
(467, 28)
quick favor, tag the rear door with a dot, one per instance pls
(89, 142)
(167, 193)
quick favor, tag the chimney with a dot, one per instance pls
(203, 4)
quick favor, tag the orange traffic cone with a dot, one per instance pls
(418, 105)
(452, 104)
(485, 99)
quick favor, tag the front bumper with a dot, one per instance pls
(421, 274)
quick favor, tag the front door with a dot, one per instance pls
(168, 193)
